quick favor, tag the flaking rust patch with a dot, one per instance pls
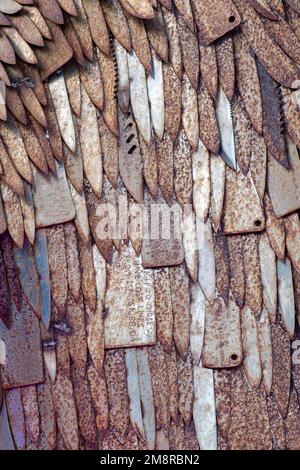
(185, 387)
(129, 303)
(65, 410)
(292, 423)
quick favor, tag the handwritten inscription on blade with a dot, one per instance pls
(129, 302)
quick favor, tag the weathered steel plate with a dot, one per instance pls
(215, 18)
(24, 360)
(222, 340)
(129, 303)
(52, 198)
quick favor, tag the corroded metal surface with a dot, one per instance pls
(213, 26)
(150, 235)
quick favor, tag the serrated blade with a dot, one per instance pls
(224, 118)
